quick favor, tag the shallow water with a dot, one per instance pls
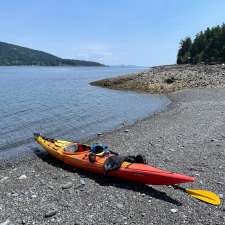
(59, 102)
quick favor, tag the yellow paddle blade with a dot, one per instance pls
(205, 196)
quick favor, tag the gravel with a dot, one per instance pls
(178, 139)
(165, 79)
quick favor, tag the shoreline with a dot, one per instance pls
(167, 79)
(184, 138)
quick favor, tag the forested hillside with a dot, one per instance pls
(11, 55)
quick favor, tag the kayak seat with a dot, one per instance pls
(82, 148)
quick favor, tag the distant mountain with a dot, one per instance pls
(15, 55)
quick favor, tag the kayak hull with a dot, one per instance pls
(135, 172)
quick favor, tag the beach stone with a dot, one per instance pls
(82, 181)
(42, 182)
(78, 186)
(55, 177)
(221, 183)
(50, 187)
(4, 179)
(15, 194)
(23, 177)
(120, 206)
(174, 210)
(50, 213)
(212, 140)
(221, 196)
(7, 222)
(67, 185)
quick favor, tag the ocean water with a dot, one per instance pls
(59, 102)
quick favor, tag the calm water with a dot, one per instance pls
(59, 102)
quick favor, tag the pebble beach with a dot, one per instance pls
(188, 138)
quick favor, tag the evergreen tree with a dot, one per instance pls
(207, 47)
(184, 52)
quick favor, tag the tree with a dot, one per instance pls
(184, 52)
(207, 47)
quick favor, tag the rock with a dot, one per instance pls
(82, 181)
(22, 222)
(65, 175)
(42, 182)
(15, 195)
(4, 179)
(174, 210)
(55, 177)
(120, 206)
(78, 186)
(50, 213)
(213, 139)
(23, 177)
(50, 187)
(67, 185)
(7, 222)
(221, 196)
(169, 80)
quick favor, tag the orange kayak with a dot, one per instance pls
(77, 155)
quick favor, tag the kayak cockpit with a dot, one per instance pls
(74, 148)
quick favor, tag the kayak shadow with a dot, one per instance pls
(106, 180)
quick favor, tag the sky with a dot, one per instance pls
(129, 32)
